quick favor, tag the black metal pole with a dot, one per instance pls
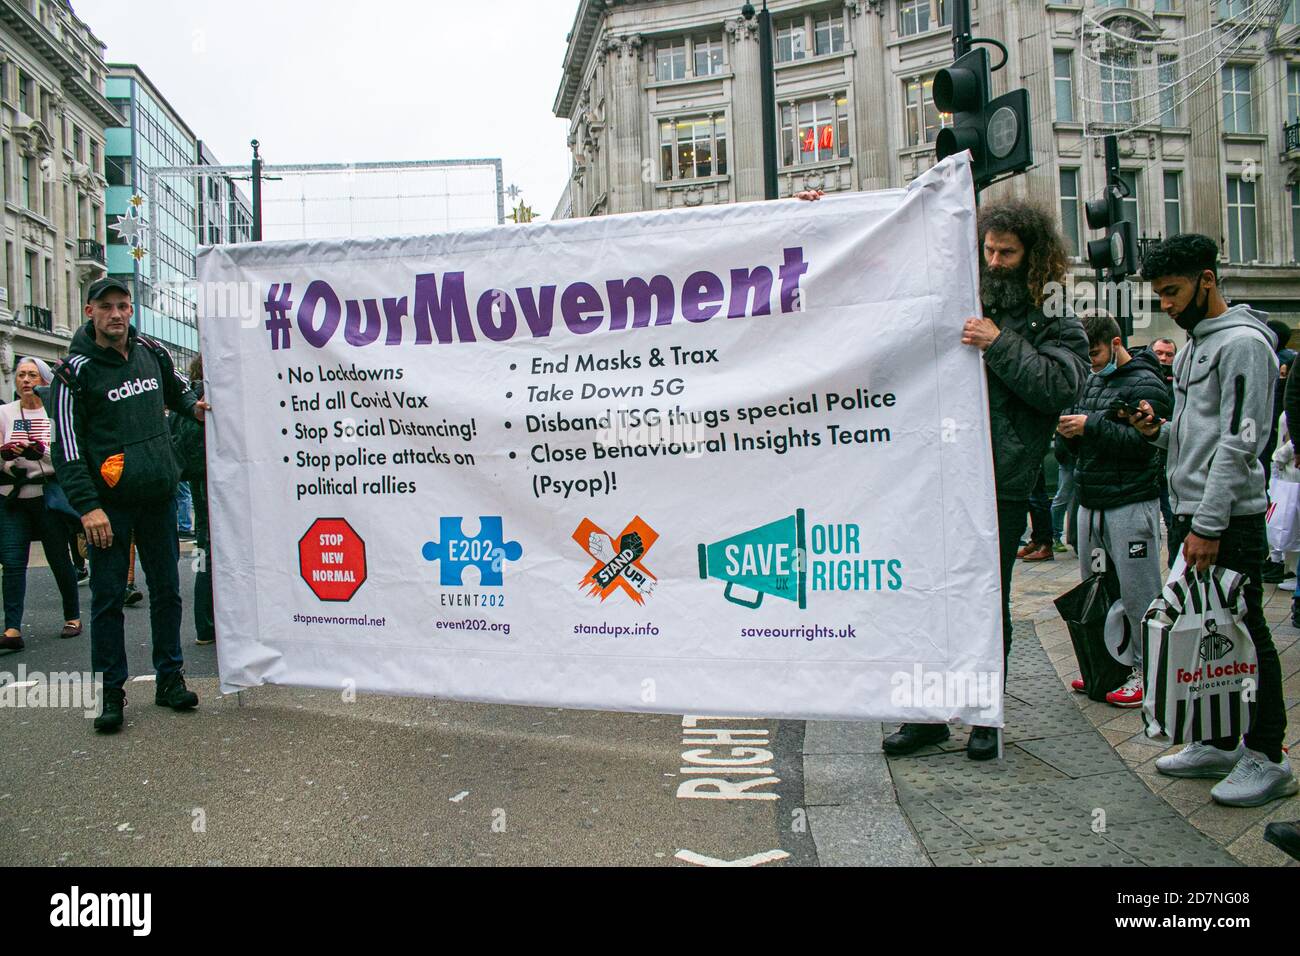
(961, 38)
(768, 70)
(257, 193)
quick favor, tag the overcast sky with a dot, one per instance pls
(329, 81)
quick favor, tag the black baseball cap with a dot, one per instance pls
(100, 286)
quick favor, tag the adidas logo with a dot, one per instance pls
(127, 389)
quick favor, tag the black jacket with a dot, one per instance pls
(1116, 465)
(187, 443)
(1036, 368)
(107, 406)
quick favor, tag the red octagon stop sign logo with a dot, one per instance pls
(332, 559)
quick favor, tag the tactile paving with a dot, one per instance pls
(1078, 755)
(1056, 849)
(1037, 806)
(1170, 842)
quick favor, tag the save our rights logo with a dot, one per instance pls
(618, 560)
(775, 559)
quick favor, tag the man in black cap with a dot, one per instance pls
(114, 460)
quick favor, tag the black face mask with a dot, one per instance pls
(1191, 316)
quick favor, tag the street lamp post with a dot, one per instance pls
(768, 79)
(257, 192)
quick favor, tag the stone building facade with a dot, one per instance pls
(663, 101)
(52, 118)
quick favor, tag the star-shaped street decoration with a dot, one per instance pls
(132, 227)
(129, 228)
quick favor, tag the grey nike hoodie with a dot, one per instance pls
(1223, 415)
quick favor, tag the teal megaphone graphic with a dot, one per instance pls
(770, 559)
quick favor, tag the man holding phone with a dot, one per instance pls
(1117, 479)
(1223, 405)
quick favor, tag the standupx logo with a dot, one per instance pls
(618, 560)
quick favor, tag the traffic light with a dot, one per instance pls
(1118, 251)
(995, 131)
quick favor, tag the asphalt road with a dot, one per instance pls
(295, 776)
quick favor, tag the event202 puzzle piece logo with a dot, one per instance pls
(618, 566)
(774, 559)
(488, 551)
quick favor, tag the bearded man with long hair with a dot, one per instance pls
(1036, 365)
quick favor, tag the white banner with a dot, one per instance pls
(733, 460)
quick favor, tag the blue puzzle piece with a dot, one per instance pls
(487, 551)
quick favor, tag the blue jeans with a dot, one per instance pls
(155, 542)
(22, 521)
(184, 507)
(1061, 503)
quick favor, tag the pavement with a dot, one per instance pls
(300, 776)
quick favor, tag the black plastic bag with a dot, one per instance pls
(1085, 609)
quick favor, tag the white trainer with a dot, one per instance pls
(1200, 760)
(1255, 781)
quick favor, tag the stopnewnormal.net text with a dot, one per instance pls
(444, 308)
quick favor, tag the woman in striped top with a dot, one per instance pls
(26, 434)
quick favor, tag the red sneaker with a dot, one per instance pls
(1041, 552)
(1077, 684)
(1026, 548)
(1130, 695)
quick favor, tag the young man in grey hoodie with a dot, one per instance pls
(1223, 407)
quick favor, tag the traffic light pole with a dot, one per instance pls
(768, 69)
(1115, 254)
(767, 77)
(961, 38)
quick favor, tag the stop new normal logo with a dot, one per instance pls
(332, 559)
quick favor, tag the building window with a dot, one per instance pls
(1167, 80)
(1117, 87)
(1242, 235)
(923, 118)
(1238, 115)
(815, 130)
(94, 156)
(25, 93)
(1070, 209)
(1291, 14)
(1293, 95)
(29, 184)
(117, 169)
(1295, 222)
(1063, 74)
(29, 272)
(1229, 9)
(693, 147)
(1173, 204)
(1166, 6)
(670, 60)
(708, 55)
(78, 144)
(918, 16)
(828, 32)
(1130, 204)
(791, 41)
